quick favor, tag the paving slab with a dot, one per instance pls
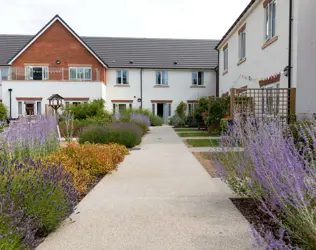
(160, 198)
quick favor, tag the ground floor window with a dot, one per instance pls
(121, 107)
(191, 108)
(29, 108)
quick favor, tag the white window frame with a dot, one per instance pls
(116, 106)
(270, 21)
(121, 76)
(199, 81)
(225, 52)
(29, 72)
(84, 74)
(163, 80)
(242, 39)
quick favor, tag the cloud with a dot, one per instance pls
(129, 18)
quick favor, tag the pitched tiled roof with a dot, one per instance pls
(144, 52)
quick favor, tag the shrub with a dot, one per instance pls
(83, 111)
(35, 197)
(29, 138)
(177, 121)
(127, 134)
(156, 120)
(87, 162)
(3, 111)
(279, 173)
(218, 107)
(181, 109)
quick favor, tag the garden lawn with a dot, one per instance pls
(202, 143)
(186, 129)
(201, 134)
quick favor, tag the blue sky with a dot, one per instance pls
(208, 19)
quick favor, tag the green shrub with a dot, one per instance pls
(156, 120)
(127, 134)
(181, 109)
(224, 125)
(177, 121)
(3, 111)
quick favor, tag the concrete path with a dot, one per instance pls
(160, 198)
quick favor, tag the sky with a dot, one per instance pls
(197, 19)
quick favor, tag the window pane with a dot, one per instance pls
(19, 108)
(273, 18)
(88, 75)
(158, 77)
(72, 73)
(194, 78)
(39, 108)
(200, 80)
(267, 22)
(153, 109)
(125, 77)
(4, 73)
(164, 77)
(114, 108)
(80, 73)
(118, 77)
(225, 59)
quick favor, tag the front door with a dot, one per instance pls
(163, 111)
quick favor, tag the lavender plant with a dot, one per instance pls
(277, 172)
(29, 138)
(34, 197)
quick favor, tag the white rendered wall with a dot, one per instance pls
(304, 55)
(260, 62)
(44, 89)
(179, 87)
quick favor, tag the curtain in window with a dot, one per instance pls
(194, 78)
(158, 78)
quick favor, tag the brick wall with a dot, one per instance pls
(57, 43)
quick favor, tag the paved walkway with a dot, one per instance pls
(160, 198)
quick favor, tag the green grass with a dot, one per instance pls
(198, 134)
(203, 143)
(185, 129)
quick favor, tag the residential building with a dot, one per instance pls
(271, 45)
(155, 74)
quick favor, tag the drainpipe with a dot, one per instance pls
(141, 88)
(10, 91)
(217, 75)
(290, 43)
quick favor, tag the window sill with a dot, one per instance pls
(198, 87)
(161, 86)
(225, 72)
(122, 85)
(241, 61)
(269, 42)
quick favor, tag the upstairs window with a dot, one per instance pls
(122, 77)
(36, 73)
(4, 74)
(198, 78)
(270, 20)
(80, 73)
(242, 45)
(226, 59)
(162, 78)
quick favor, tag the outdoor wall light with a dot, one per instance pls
(58, 62)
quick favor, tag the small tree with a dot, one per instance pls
(181, 109)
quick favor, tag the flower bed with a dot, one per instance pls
(278, 172)
(40, 183)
